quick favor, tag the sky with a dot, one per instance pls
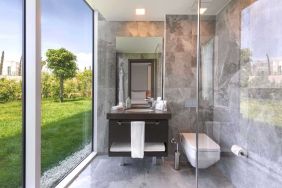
(68, 24)
(64, 23)
(262, 29)
(11, 29)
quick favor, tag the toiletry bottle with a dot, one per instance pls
(164, 105)
(128, 103)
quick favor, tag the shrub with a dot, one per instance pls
(85, 83)
(50, 86)
(77, 87)
(72, 89)
(10, 90)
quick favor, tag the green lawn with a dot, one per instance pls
(267, 111)
(66, 127)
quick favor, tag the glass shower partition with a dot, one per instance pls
(239, 92)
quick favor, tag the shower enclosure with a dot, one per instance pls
(240, 91)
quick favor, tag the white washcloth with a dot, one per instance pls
(137, 139)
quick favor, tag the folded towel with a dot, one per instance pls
(149, 147)
(137, 139)
(119, 107)
(154, 147)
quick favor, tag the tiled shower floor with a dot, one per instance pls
(106, 172)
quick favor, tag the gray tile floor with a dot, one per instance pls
(106, 172)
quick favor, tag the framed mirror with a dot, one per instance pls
(139, 71)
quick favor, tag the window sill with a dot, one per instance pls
(73, 175)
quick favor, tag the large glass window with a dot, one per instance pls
(261, 61)
(66, 87)
(11, 164)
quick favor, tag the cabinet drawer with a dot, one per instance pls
(119, 131)
(156, 132)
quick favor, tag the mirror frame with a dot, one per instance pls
(162, 70)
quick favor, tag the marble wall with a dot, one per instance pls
(180, 72)
(107, 33)
(234, 119)
(227, 124)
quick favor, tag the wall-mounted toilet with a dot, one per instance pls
(208, 153)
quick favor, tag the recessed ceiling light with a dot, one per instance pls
(140, 11)
(203, 10)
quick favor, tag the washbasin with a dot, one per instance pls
(139, 110)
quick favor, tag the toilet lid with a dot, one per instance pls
(205, 143)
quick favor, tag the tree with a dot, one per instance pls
(2, 63)
(63, 65)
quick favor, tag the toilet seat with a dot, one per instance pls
(208, 150)
(205, 143)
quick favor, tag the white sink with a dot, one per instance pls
(140, 110)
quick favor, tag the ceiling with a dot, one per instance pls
(145, 44)
(124, 10)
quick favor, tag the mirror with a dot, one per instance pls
(141, 79)
(139, 69)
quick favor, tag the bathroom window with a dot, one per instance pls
(67, 114)
(11, 101)
(261, 57)
(206, 78)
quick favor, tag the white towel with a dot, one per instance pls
(137, 139)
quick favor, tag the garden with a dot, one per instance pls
(66, 116)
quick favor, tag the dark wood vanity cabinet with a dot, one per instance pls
(156, 130)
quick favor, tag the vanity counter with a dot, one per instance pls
(129, 115)
(156, 131)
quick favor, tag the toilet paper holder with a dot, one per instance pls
(239, 151)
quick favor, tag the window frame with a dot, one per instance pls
(31, 101)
